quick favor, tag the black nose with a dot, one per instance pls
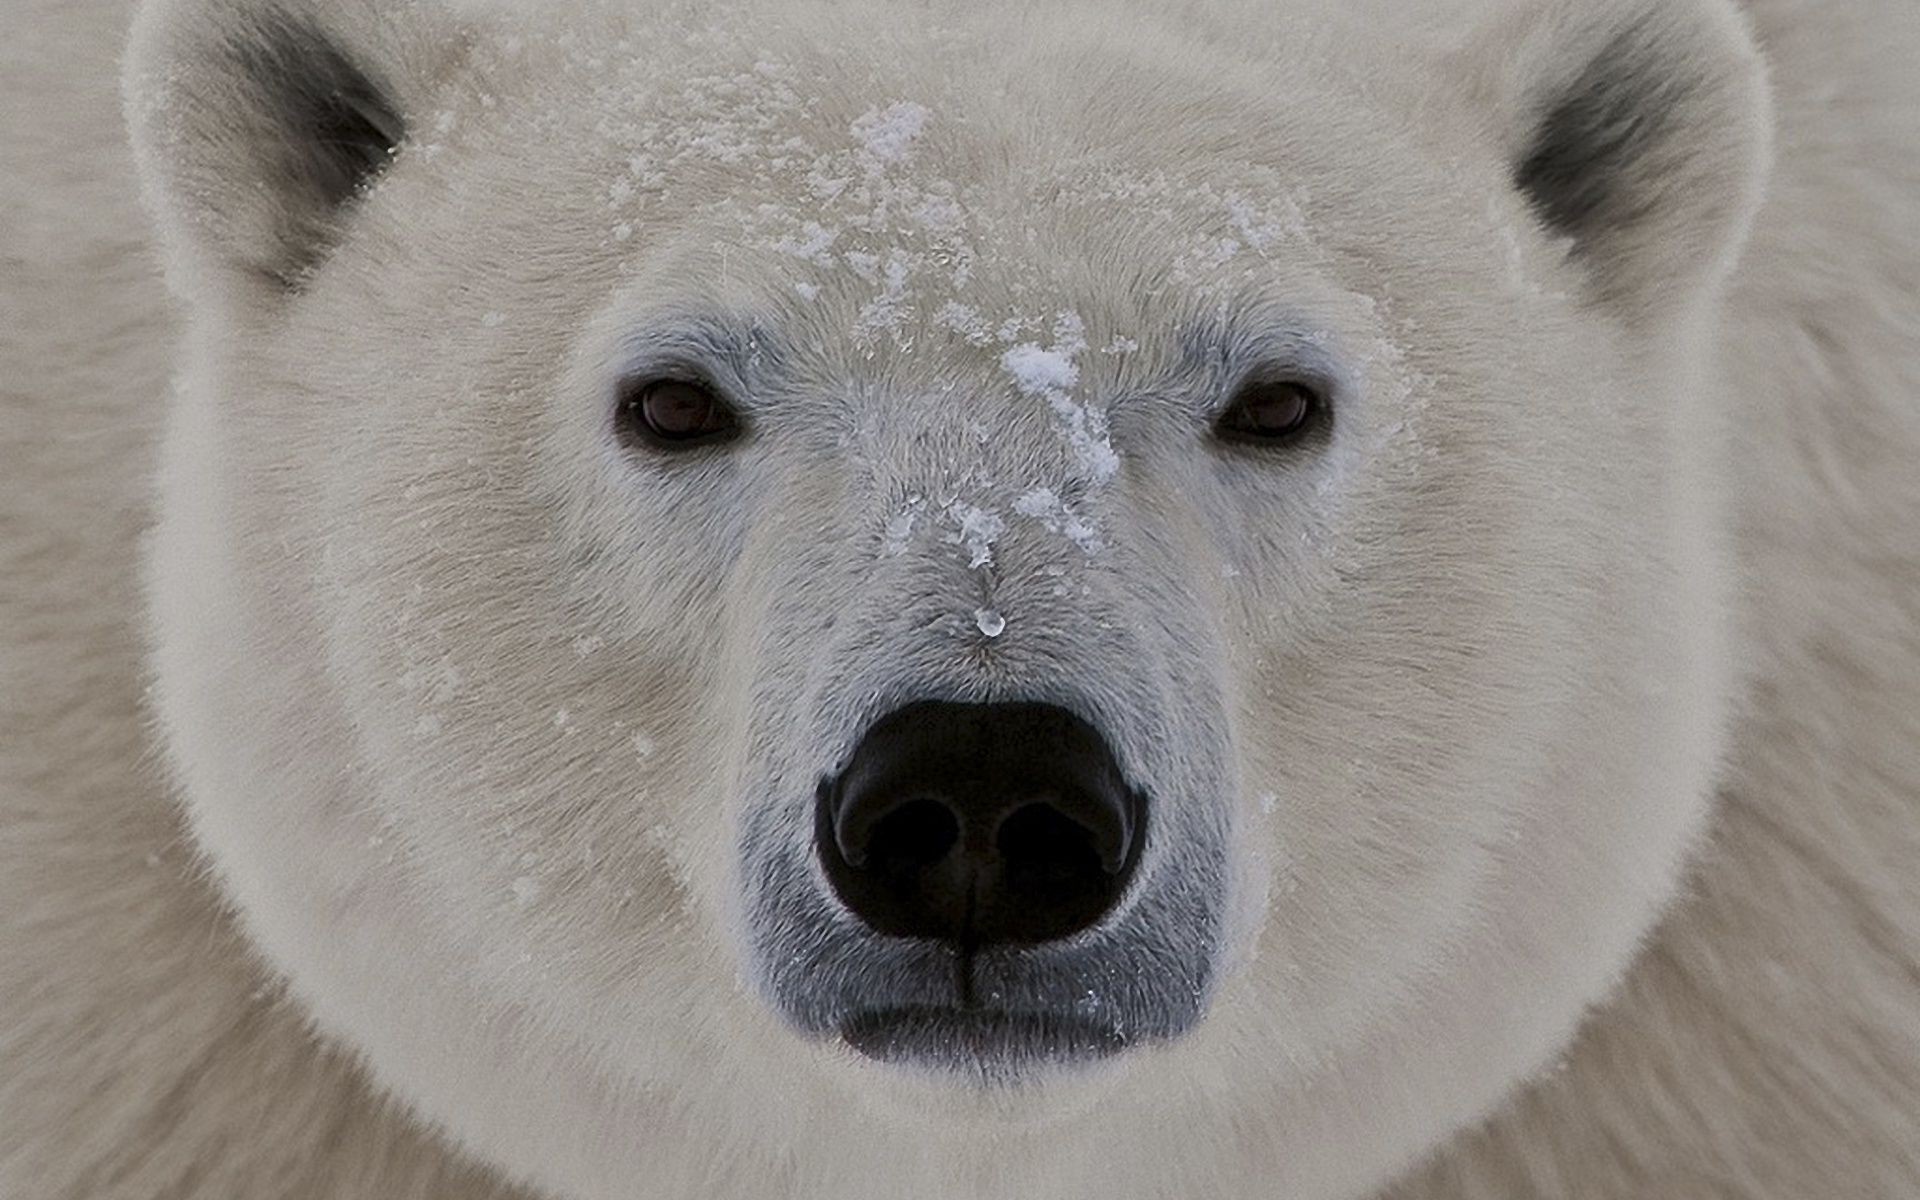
(980, 823)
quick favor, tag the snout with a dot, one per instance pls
(993, 889)
(977, 824)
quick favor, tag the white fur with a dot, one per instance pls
(1608, 569)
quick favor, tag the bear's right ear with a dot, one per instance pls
(1637, 130)
(257, 124)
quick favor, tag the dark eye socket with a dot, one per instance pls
(1270, 411)
(674, 413)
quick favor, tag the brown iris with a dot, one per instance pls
(1269, 411)
(675, 413)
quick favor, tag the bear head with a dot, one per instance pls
(851, 598)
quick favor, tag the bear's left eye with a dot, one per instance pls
(674, 414)
(1270, 411)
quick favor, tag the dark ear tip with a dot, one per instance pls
(1642, 138)
(340, 126)
(1595, 134)
(257, 127)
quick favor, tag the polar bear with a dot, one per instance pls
(849, 599)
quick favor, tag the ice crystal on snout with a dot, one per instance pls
(1051, 373)
(899, 530)
(990, 622)
(978, 529)
(1044, 505)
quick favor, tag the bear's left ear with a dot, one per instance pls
(1638, 130)
(258, 124)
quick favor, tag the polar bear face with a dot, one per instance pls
(629, 464)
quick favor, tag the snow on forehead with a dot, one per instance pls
(845, 200)
(888, 133)
(858, 200)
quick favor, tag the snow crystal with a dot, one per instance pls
(1069, 333)
(1040, 503)
(1120, 345)
(990, 622)
(979, 528)
(888, 133)
(719, 147)
(622, 231)
(526, 890)
(1043, 504)
(1036, 371)
(1049, 373)
(1210, 255)
(808, 291)
(1269, 802)
(813, 242)
(1087, 434)
(886, 312)
(941, 214)
(493, 320)
(826, 188)
(964, 320)
(643, 746)
(1259, 230)
(900, 526)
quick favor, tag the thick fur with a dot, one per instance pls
(1558, 712)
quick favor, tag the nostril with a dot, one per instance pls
(1039, 843)
(915, 835)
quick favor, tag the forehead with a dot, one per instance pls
(996, 180)
(1015, 119)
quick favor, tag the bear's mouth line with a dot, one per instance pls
(954, 1037)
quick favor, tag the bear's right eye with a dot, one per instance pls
(674, 414)
(1270, 411)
